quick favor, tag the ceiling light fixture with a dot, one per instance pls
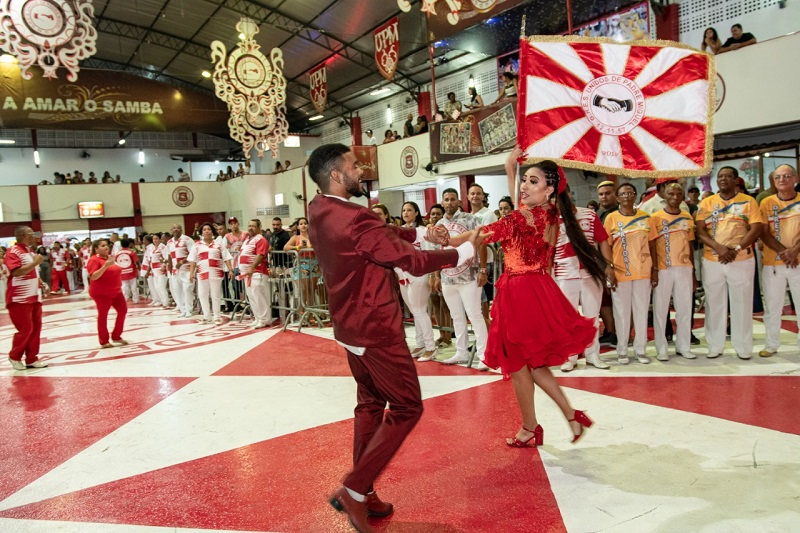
(7, 58)
(8, 141)
(206, 74)
(241, 36)
(376, 92)
(317, 117)
(471, 81)
(388, 115)
(121, 142)
(141, 157)
(36, 160)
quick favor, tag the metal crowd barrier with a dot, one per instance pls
(298, 289)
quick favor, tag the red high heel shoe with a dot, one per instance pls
(537, 438)
(584, 421)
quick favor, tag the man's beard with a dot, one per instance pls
(354, 189)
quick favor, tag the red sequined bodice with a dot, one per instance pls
(528, 238)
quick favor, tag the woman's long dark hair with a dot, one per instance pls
(418, 222)
(589, 256)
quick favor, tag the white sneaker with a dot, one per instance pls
(713, 355)
(481, 366)
(687, 355)
(568, 366)
(37, 364)
(642, 358)
(217, 321)
(623, 359)
(596, 362)
(744, 356)
(662, 357)
(416, 352)
(17, 365)
(456, 360)
(204, 321)
(428, 355)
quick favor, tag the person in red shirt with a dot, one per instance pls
(24, 300)
(127, 260)
(59, 257)
(253, 270)
(105, 288)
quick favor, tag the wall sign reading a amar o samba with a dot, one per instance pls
(104, 100)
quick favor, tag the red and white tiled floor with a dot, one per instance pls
(226, 428)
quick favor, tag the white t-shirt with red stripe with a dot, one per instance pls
(235, 243)
(21, 289)
(251, 247)
(85, 255)
(179, 250)
(126, 260)
(158, 265)
(59, 259)
(566, 264)
(210, 258)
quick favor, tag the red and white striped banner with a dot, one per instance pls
(638, 110)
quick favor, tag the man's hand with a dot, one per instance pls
(611, 279)
(725, 254)
(38, 260)
(789, 257)
(438, 235)
(654, 278)
(483, 279)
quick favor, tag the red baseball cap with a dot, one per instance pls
(233, 219)
(659, 181)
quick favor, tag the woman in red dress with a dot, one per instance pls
(105, 288)
(534, 326)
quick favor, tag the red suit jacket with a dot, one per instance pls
(356, 252)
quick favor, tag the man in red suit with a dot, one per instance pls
(356, 252)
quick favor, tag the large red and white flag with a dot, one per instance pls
(639, 110)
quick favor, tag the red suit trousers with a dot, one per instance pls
(58, 279)
(384, 375)
(27, 318)
(104, 303)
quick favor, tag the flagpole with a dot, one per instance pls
(569, 17)
(522, 30)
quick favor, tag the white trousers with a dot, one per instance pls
(721, 282)
(130, 289)
(675, 282)
(160, 293)
(631, 296)
(3, 288)
(71, 280)
(775, 280)
(415, 294)
(589, 294)
(465, 301)
(209, 288)
(258, 296)
(182, 292)
(85, 278)
(151, 288)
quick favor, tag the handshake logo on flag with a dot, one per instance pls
(612, 105)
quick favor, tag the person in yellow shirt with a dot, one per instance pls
(632, 273)
(728, 223)
(781, 235)
(673, 232)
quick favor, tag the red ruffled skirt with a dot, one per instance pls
(533, 324)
